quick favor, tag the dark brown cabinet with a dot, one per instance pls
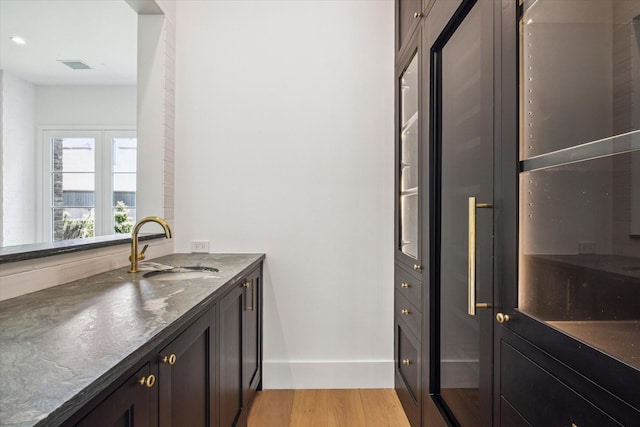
(526, 228)
(205, 376)
(175, 388)
(230, 368)
(240, 354)
(129, 406)
(408, 369)
(252, 323)
(410, 158)
(408, 14)
(568, 254)
(186, 385)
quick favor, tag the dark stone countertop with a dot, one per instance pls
(62, 346)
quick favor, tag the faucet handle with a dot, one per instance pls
(141, 254)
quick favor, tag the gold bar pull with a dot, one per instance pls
(471, 293)
(246, 285)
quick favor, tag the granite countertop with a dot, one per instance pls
(62, 346)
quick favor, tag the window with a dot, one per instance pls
(89, 186)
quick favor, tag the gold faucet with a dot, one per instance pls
(135, 256)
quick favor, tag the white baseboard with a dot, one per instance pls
(327, 374)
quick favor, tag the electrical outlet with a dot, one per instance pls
(200, 246)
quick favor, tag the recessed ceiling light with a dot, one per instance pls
(18, 40)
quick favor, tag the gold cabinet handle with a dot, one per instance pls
(148, 381)
(502, 318)
(471, 292)
(171, 359)
(405, 286)
(405, 311)
(406, 362)
(417, 267)
(246, 285)
(417, 14)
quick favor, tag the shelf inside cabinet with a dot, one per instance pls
(409, 192)
(410, 122)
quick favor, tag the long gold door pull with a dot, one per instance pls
(471, 293)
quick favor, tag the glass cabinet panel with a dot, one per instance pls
(579, 263)
(409, 159)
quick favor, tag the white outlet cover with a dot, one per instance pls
(199, 246)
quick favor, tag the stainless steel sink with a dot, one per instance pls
(180, 273)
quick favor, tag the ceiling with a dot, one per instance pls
(100, 33)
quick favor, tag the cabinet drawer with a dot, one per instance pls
(408, 373)
(408, 313)
(408, 286)
(542, 399)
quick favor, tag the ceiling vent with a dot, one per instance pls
(75, 64)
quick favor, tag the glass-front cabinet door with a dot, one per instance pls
(579, 183)
(463, 118)
(409, 165)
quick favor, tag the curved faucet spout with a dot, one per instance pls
(135, 256)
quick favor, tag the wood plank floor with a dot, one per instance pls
(327, 408)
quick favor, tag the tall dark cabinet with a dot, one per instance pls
(410, 159)
(516, 300)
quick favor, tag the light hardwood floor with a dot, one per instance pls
(327, 408)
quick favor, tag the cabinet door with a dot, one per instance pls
(185, 377)
(409, 193)
(569, 268)
(408, 14)
(128, 406)
(463, 116)
(231, 311)
(252, 363)
(408, 372)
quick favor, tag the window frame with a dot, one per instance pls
(103, 173)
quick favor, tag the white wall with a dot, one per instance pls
(86, 105)
(284, 145)
(19, 151)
